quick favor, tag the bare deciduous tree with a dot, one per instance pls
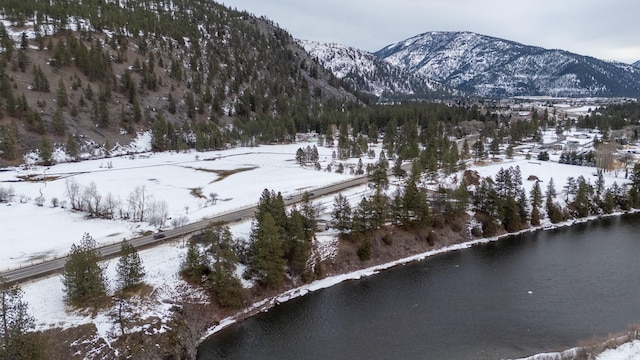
(6, 194)
(73, 192)
(138, 203)
(111, 204)
(158, 213)
(214, 198)
(179, 221)
(92, 199)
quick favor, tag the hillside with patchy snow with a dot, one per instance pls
(368, 73)
(493, 67)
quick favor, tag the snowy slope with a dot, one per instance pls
(367, 73)
(490, 66)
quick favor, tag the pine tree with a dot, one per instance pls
(300, 158)
(536, 195)
(195, 265)
(536, 203)
(130, 272)
(62, 97)
(103, 115)
(226, 289)
(551, 189)
(46, 151)
(15, 322)
(71, 147)
(309, 216)
(57, 123)
(84, 280)
(341, 214)
(172, 104)
(9, 140)
(268, 254)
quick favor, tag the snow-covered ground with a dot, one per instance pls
(33, 233)
(168, 177)
(628, 351)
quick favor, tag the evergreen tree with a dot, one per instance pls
(536, 195)
(536, 203)
(62, 97)
(341, 214)
(300, 158)
(46, 151)
(415, 208)
(71, 147)
(461, 197)
(9, 140)
(296, 245)
(130, 272)
(268, 260)
(83, 278)
(551, 189)
(478, 150)
(57, 123)
(379, 177)
(225, 288)
(15, 322)
(195, 265)
(398, 171)
(103, 115)
(309, 214)
(584, 193)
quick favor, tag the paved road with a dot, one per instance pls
(110, 251)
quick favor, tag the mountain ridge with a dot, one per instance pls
(493, 67)
(367, 73)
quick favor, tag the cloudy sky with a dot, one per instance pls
(607, 30)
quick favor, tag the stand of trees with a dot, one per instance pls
(281, 242)
(211, 262)
(139, 205)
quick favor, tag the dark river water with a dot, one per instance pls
(527, 294)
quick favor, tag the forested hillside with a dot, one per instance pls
(89, 74)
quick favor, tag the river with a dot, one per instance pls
(530, 293)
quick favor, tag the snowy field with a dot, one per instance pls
(33, 233)
(167, 177)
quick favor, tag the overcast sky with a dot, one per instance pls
(607, 30)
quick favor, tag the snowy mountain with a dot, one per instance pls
(636, 64)
(493, 67)
(367, 73)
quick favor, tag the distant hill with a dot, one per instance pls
(492, 67)
(372, 75)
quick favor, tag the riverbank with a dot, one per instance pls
(193, 320)
(266, 304)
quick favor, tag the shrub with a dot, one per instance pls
(439, 221)
(457, 226)
(476, 231)
(364, 252)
